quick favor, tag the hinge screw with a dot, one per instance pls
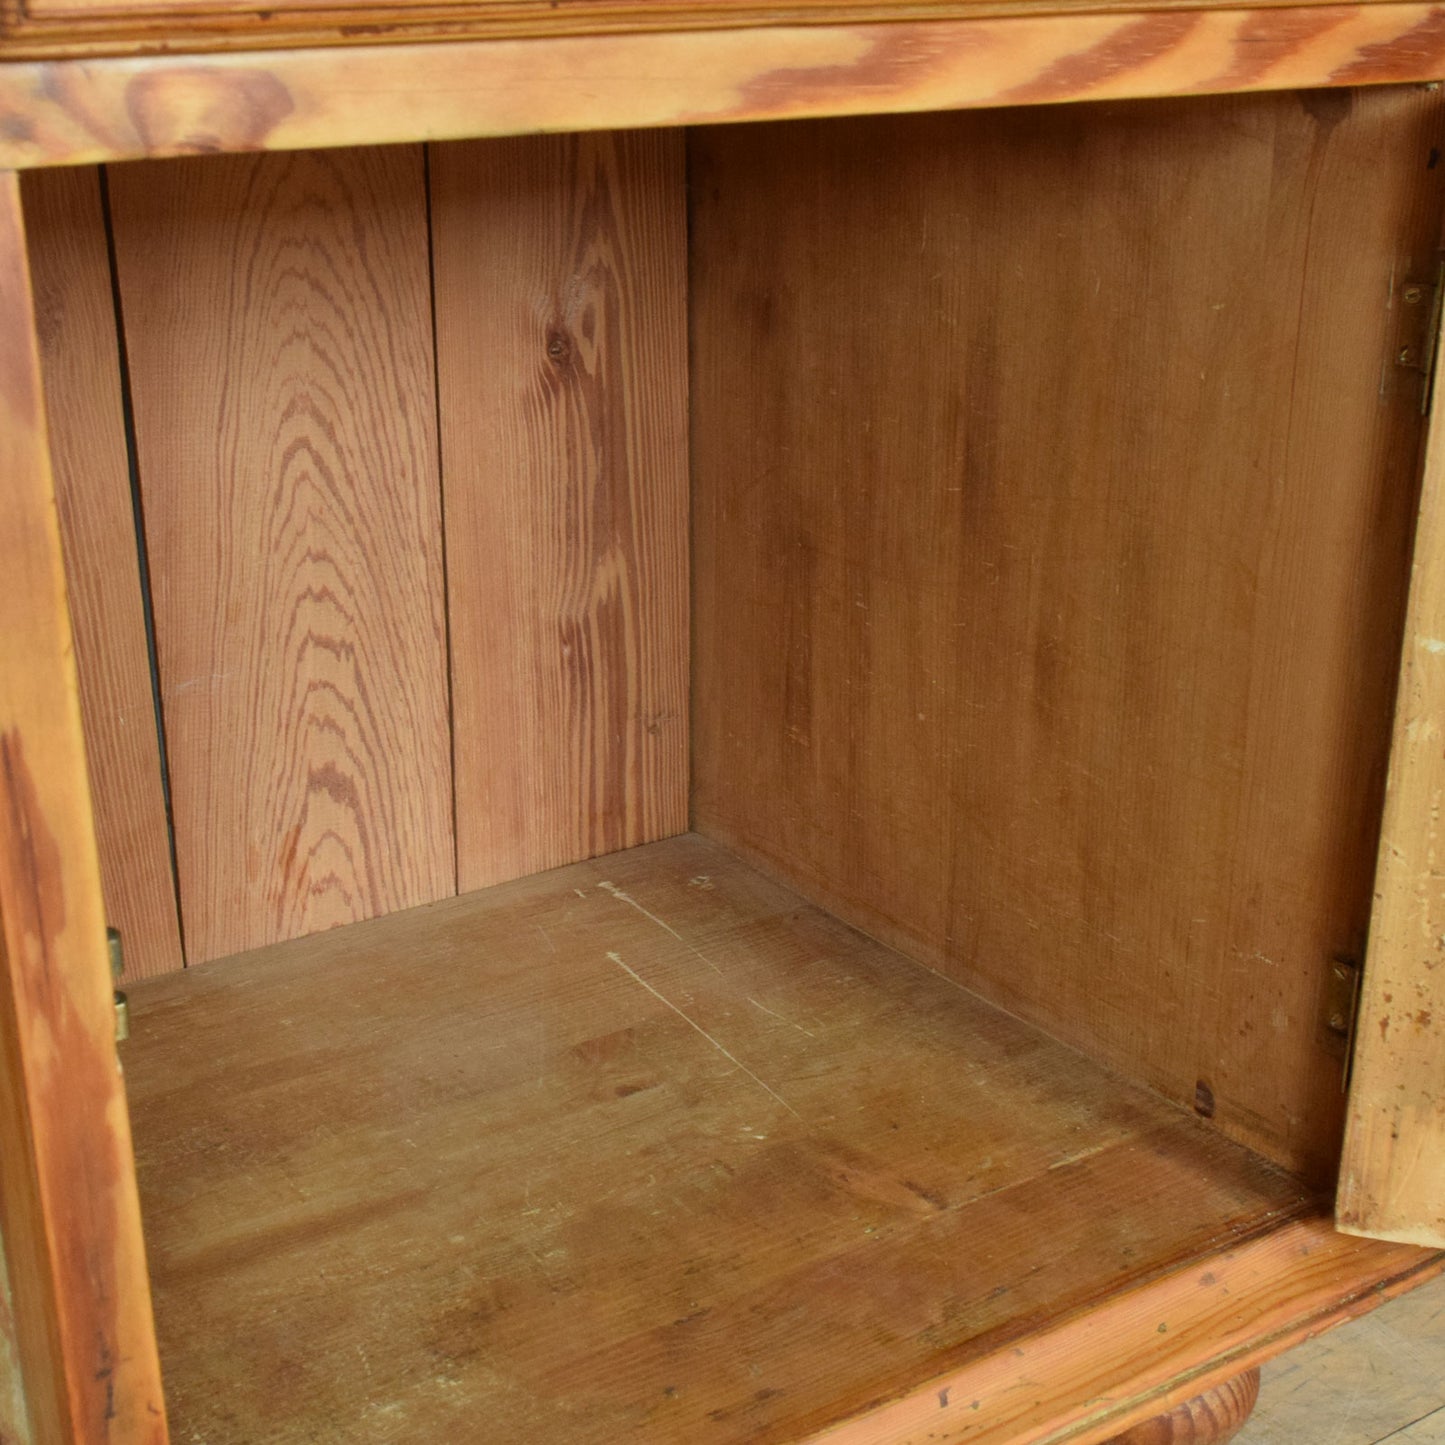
(1406, 356)
(1414, 295)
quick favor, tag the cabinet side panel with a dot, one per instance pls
(69, 1212)
(277, 320)
(562, 370)
(1054, 488)
(81, 363)
(1392, 1176)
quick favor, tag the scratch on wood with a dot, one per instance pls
(773, 1014)
(622, 897)
(732, 1058)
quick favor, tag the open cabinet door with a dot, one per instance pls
(1392, 1175)
(77, 1314)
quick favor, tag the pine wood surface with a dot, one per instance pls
(70, 112)
(58, 27)
(68, 1207)
(1392, 1175)
(80, 361)
(649, 1147)
(1052, 638)
(1148, 1349)
(561, 296)
(278, 324)
(1211, 1418)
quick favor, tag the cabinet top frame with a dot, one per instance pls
(81, 108)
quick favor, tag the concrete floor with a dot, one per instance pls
(1375, 1379)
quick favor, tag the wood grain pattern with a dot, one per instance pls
(1212, 1418)
(1081, 1380)
(648, 1149)
(68, 1208)
(59, 27)
(561, 301)
(14, 1416)
(278, 324)
(69, 112)
(81, 364)
(1392, 1175)
(1052, 637)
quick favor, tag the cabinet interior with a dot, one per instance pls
(987, 530)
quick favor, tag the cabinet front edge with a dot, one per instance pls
(83, 111)
(1083, 1379)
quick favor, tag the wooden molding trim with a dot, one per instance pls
(1086, 1379)
(68, 112)
(54, 29)
(1213, 1418)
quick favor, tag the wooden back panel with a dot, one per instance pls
(80, 360)
(1054, 490)
(278, 325)
(561, 285)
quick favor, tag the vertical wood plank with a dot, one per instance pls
(1392, 1174)
(81, 363)
(69, 1214)
(562, 363)
(1054, 492)
(277, 316)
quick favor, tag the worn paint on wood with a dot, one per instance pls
(68, 1209)
(65, 112)
(1053, 503)
(278, 325)
(1392, 1176)
(561, 281)
(81, 365)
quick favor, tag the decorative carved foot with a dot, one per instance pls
(1208, 1419)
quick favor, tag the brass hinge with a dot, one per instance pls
(117, 968)
(1418, 342)
(1342, 1009)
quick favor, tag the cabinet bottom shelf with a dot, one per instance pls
(649, 1148)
